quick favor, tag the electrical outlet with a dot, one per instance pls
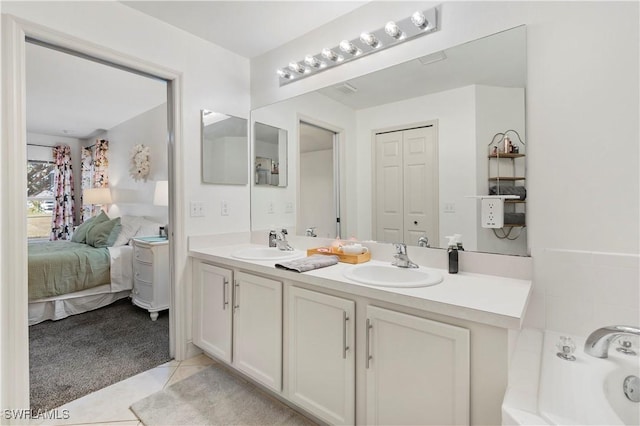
(288, 207)
(492, 213)
(224, 208)
(270, 209)
(449, 207)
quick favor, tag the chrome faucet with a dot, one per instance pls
(423, 241)
(281, 241)
(597, 344)
(402, 259)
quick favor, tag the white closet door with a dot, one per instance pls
(420, 185)
(406, 185)
(389, 183)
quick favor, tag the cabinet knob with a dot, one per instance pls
(415, 222)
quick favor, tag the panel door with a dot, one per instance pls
(420, 161)
(257, 328)
(212, 313)
(321, 355)
(389, 184)
(417, 372)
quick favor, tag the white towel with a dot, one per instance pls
(309, 263)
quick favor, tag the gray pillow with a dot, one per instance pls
(104, 234)
(80, 234)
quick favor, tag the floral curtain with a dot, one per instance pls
(95, 172)
(63, 207)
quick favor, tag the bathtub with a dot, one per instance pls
(546, 390)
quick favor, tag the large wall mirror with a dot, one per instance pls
(224, 144)
(408, 148)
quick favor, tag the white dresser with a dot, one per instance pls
(151, 274)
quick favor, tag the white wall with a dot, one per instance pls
(131, 197)
(582, 127)
(210, 78)
(226, 155)
(499, 109)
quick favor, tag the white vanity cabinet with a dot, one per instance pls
(237, 318)
(417, 370)
(321, 349)
(257, 328)
(212, 312)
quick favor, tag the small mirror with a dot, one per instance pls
(224, 148)
(270, 145)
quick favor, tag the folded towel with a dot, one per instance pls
(309, 263)
(514, 218)
(520, 191)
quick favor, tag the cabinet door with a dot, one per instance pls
(257, 328)
(417, 370)
(212, 310)
(321, 355)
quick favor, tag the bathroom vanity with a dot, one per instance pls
(350, 353)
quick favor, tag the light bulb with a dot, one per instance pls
(284, 73)
(294, 66)
(369, 39)
(330, 54)
(393, 30)
(419, 20)
(347, 47)
(312, 61)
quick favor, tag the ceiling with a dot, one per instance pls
(74, 97)
(248, 28)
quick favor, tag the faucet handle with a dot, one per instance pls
(566, 348)
(626, 347)
(401, 248)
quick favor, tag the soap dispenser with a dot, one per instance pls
(452, 252)
(458, 239)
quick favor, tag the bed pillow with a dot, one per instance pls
(80, 234)
(104, 234)
(130, 226)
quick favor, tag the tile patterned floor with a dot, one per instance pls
(110, 406)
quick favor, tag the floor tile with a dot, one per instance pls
(183, 372)
(112, 403)
(201, 359)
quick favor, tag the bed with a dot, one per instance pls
(71, 277)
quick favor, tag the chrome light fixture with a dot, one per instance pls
(393, 33)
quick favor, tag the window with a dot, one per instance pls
(40, 200)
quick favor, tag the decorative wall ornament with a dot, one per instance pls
(140, 165)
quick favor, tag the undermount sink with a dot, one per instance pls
(393, 276)
(265, 253)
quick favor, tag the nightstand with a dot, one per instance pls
(151, 274)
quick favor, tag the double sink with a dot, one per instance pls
(374, 274)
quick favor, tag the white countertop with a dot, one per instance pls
(486, 299)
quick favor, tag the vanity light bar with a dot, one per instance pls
(393, 33)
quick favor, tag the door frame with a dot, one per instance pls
(374, 162)
(338, 167)
(14, 335)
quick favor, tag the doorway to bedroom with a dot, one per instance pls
(98, 223)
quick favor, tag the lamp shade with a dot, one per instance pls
(161, 194)
(99, 196)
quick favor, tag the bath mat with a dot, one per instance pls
(214, 396)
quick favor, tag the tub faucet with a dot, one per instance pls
(281, 241)
(597, 344)
(310, 232)
(423, 241)
(402, 259)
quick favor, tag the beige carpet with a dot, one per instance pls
(214, 397)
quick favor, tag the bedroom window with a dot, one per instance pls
(40, 200)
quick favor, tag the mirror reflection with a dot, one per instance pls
(412, 151)
(224, 147)
(270, 148)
